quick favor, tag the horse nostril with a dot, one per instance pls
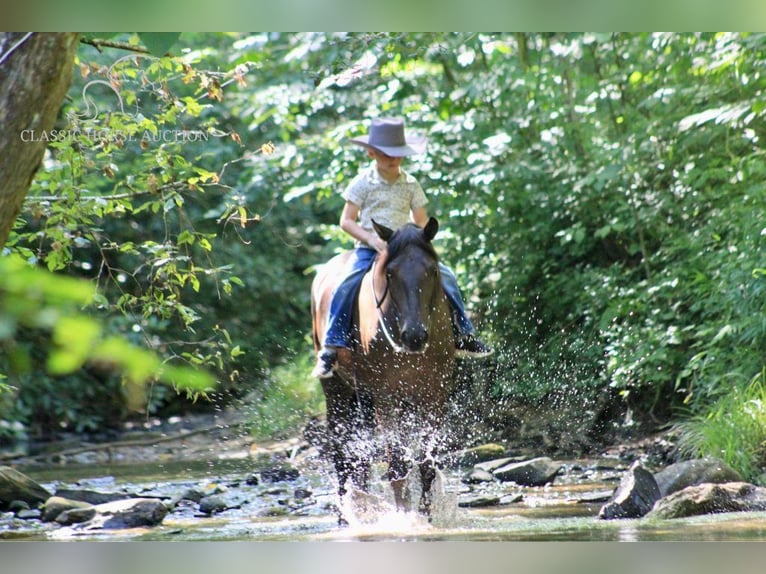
(415, 338)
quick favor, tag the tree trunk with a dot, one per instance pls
(35, 73)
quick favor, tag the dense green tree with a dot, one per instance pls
(599, 195)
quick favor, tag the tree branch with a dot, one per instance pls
(99, 44)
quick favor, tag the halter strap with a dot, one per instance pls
(381, 319)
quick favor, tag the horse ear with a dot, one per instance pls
(431, 228)
(383, 232)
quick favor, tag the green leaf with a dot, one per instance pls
(74, 338)
(159, 43)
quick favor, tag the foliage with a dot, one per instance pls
(733, 430)
(49, 307)
(286, 401)
(599, 197)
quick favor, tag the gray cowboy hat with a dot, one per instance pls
(387, 135)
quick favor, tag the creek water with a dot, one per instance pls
(563, 511)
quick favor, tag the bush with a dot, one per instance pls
(733, 429)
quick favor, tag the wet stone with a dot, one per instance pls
(478, 501)
(535, 472)
(634, 497)
(280, 473)
(302, 493)
(212, 505)
(477, 454)
(17, 506)
(55, 505)
(193, 494)
(15, 485)
(29, 514)
(680, 475)
(511, 498)
(478, 476)
(594, 497)
(711, 498)
(90, 496)
(130, 513)
(75, 516)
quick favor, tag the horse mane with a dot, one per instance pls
(409, 235)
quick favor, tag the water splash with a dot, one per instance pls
(372, 514)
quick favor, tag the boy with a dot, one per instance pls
(390, 196)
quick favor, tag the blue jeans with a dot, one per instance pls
(344, 297)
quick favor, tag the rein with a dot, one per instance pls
(381, 319)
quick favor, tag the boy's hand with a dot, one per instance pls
(377, 243)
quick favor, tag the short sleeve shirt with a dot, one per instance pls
(387, 203)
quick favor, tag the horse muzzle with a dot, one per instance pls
(414, 339)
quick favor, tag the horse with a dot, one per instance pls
(395, 380)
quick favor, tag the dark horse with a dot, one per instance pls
(397, 377)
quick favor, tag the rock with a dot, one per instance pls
(596, 496)
(193, 494)
(478, 501)
(76, 515)
(18, 505)
(15, 485)
(711, 498)
(302, 493)
(252, 479)
(89, 496)
(29, 514)
(280, 473)
(477, 476)
(494, 464)
(477, 454)
(634, 497)
(693, 472)
(55, 505)
(212, 488)
(129, 513)
(212, 504)
(511, 498)
(534, 472)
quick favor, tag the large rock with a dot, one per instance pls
(90, 496)
(129, 513)
(478, 476)
(535, 472)
(709, 499)
(76, 515)
(693, 472)
(15, 485)
(634, 497)
(495, 463)
(57, 505)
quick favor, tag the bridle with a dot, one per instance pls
(381, 318)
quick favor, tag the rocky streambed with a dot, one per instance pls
(284, 491)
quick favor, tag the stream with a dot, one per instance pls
(303, 509)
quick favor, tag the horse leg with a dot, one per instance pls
(428, 468)
(427, 476)
(362, 442)
(398, 467)
(340, 434)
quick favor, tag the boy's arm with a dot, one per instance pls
(420, 216)
(349, 224)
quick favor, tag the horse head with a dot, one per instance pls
(407, 283)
